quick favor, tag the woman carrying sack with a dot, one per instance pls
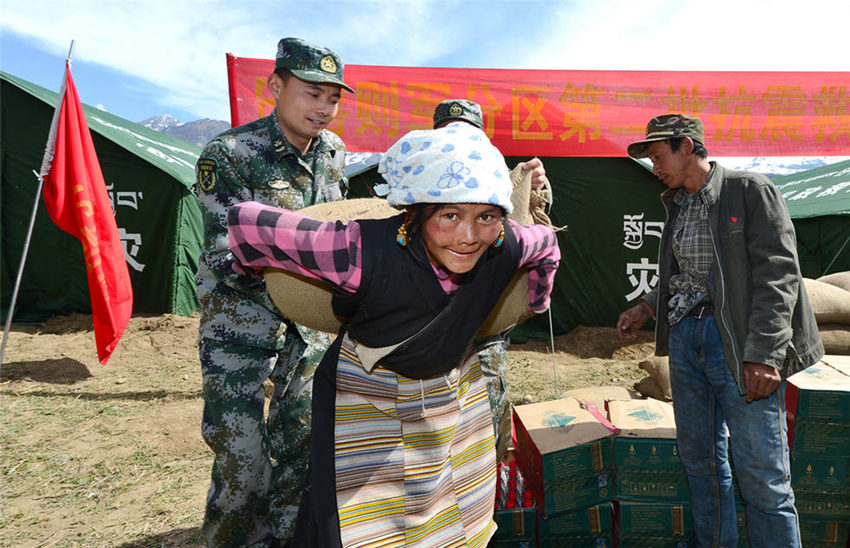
(402, 439)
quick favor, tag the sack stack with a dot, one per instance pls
(657, 384)
(830, 300)
(818, 408)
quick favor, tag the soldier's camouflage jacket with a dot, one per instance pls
(254, 162)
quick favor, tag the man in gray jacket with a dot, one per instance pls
(733, 316)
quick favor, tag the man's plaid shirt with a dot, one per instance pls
(693, 251)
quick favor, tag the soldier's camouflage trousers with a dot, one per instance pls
(493, 355)
(258, 474)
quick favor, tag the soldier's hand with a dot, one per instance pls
(633, 319)
(538, 172)
(761, 380)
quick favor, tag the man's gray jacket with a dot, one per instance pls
(760, 301)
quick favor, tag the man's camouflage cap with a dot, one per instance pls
(310, 62)
(668, 126)
(459, 109)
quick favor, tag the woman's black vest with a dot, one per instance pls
(399, 296)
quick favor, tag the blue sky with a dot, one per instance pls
(139, 59)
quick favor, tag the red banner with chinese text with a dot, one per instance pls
(580, 113)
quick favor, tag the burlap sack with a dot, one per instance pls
(838, 279)
(835, 337)
(658, 368)
(308, 302)
(521, 196)
(830, 303)
(650, 389)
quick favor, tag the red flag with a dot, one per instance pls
(76, 198)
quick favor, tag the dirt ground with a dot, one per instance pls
(112, 455)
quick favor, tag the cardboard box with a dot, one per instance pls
(494, 543)
(647, 466)
(824, 533)
(818, 408)
(515, 527)
(820, 438)
(591, 520)
(827, 475)
(591, 527)
(564, 452)
(820, 506)
(654, 524)
(602, 540)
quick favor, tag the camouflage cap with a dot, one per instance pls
(459, 109)
(310, 62)
(668, 126)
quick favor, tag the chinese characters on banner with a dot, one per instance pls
(642, 276)
(580, 113)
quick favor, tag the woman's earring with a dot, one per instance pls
(401, 235)
(501, 238)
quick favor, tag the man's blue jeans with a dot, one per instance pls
(706, 400)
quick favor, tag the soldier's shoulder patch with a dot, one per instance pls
(206, 173)
(278, 184)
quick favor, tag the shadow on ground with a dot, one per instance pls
(188, 537)
(53, 371)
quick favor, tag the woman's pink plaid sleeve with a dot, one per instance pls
(262, 236)
(541, 256)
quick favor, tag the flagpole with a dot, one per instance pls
(40, 176)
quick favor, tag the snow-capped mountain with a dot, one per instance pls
(772, 166)
(162, 122)
(777, 165)
(197, 132)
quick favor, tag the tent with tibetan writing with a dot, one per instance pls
(149, 177)
(818, 201)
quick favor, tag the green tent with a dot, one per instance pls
(818, 201)
(149, 177)
(613, 218)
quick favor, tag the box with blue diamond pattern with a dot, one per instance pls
(646, 461)
(564, 451)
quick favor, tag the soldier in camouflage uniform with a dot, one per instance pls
(493, 350)
(287, 159)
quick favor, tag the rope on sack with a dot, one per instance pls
(552, 341)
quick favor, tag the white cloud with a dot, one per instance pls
(724, 35)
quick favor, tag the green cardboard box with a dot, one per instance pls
(647, 466)
(654, 524)
(820, 506)
(644, 541)
(649, 470)
(591, 520)
(828, 475)
(818, 408)
(495, 543)
(515, 525)
(820, 438)
(833, 534)
(564, 452)
(602, 540)
(591, 527)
